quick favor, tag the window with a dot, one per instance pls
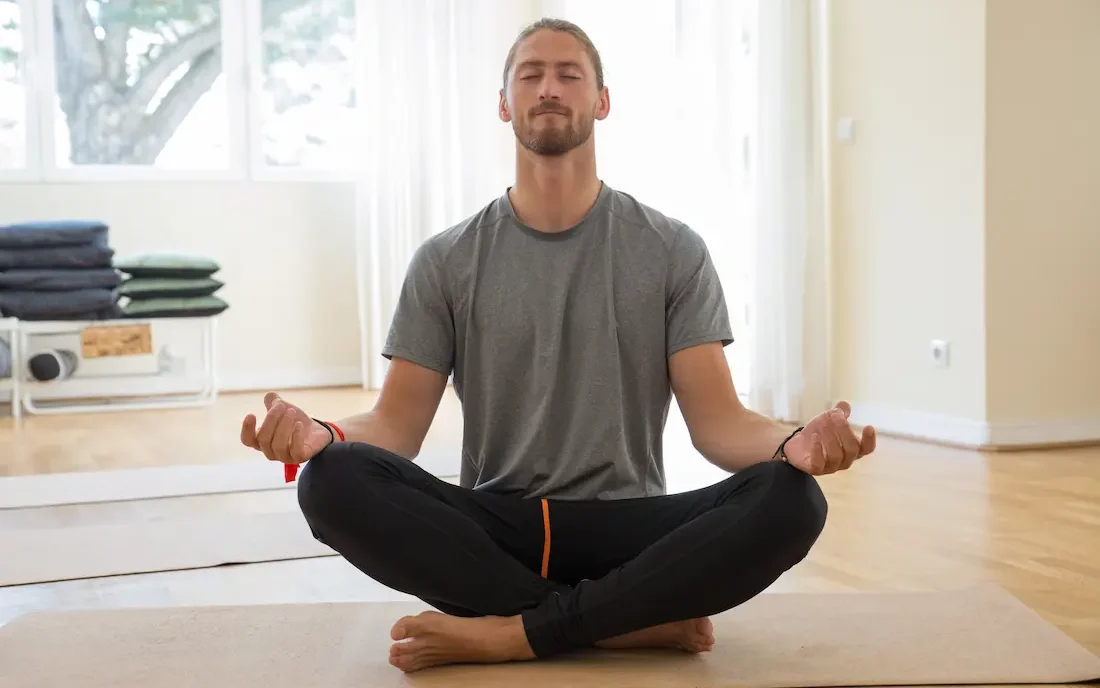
(140, 83)
(133, 89)
(13, 98)
(306, 104)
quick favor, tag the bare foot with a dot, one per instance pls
(693, 635)
(433, 639)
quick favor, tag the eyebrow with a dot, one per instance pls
(542, 63)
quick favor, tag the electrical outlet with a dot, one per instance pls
(940, 353)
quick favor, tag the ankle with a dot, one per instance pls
(512, 639)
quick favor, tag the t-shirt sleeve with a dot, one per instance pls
(422, 330)
(696, 311)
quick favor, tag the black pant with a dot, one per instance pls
(577, 572)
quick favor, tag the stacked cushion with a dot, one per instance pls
(169, 285)
(57, 270)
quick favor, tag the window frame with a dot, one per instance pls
(42, 133)
(31, 171)
(259, 170)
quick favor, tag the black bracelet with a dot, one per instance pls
(781, 452)
(331, 437)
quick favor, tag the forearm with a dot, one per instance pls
(742, 439)
(375, 429)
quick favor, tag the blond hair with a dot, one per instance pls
(565, 27)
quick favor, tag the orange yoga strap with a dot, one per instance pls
(546, 538)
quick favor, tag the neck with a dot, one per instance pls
(554, 194)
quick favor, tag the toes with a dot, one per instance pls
(405, 648)
(407, 627)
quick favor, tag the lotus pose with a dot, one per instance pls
(569, 315)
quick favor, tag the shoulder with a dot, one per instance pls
(671, 233)
(440, 249)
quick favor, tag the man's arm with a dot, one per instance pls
(733, 437)
(722, 429)
(404, 410)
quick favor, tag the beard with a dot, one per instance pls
(554, 140)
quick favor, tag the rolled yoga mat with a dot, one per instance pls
(776, 640)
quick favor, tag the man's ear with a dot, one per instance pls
(603, 105)
(502, 110)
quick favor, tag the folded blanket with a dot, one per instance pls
(56, 257)
(47, 233)
(57, 279)
(77, 304)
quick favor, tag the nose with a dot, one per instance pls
(549, 88)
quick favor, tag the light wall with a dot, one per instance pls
(965, 209)
(1043, 211)
(285, 256)
(908, 208)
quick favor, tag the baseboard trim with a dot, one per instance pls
(1043, 433)
(922, 425)
(975, 434)
(295, 378)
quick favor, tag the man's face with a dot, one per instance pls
(552, 99)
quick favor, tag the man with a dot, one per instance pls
(568, 313)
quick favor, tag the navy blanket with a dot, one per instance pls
(52, 233)
(78, 304)
(53, 279)
(56, 257)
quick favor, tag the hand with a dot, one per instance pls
(828, 444)
(287, 433)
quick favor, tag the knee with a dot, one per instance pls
(796, 506)
(333, 480)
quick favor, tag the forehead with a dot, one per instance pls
(547, 46)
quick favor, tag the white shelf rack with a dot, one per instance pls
(9, 330)
(121, 392)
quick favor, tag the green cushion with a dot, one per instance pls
(151, 287)
(182, 307)
(168, 265)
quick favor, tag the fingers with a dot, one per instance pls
(831, 438)
(298, 443)
(817, 460)
(850, 445)
(248, 432)
(867, 441)
(275, 433)
(834, 444)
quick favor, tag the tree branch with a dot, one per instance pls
(162, 124)
(117, 32)
(185, 51)
(73, 25)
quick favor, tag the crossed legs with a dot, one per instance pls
(521, 578)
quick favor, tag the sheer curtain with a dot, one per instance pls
(682, 83)
(715, 109)
(433, 150)
(789, 360)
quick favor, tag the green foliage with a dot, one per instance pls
(154, 16)
(304, 34)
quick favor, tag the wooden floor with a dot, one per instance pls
(911, 517)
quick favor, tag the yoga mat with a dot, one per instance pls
(776, 640)
(41, 555)
(89, 487)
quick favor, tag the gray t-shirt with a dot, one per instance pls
(559, 342)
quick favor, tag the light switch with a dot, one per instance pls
(845, 129)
